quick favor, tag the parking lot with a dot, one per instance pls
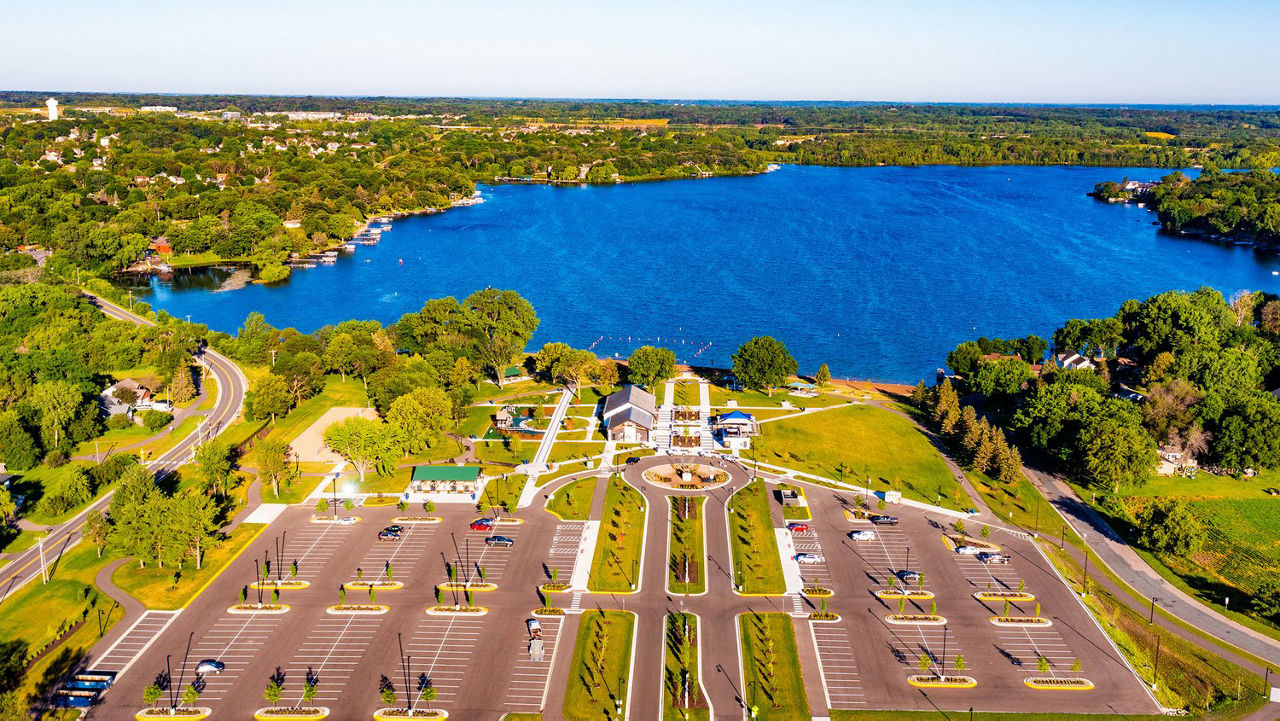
(528, 683)
(237, 641)
(405, 555)
(126, 649)
(329, 655)
(839, 665)
(442, 649)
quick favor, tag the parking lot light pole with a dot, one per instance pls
(1152, 618)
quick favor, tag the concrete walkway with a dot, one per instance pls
(539, 463)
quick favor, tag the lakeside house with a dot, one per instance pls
(1075, 361)
(454, 483)
(628, 415)
(735, 429)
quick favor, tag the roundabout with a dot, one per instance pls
(685, 473)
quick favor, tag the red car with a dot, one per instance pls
(797, 527)
(482, 524)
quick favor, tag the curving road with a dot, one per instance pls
(232, 385)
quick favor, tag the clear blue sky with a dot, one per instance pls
(1221, 51)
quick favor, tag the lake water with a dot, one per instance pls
(877, 271)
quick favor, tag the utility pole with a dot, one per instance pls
(1084, 587)
(44, 572)
(1155, 667)
(1152, 618)
(130, 301)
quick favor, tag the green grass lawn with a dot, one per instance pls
(601, 659)
(516, 393)
(158, 588)
(574, 451)
(720, 396)
(978, 716)
(621, 544)
(497, 452)
(504, 492)
(236, 434)
(478, 420)
(755, 548)
(176, 433)
(572, 502)
(867, 440)
(35, 614)
(687, 540)
(1029, 508)
(772, 671)
(593, 394)
(43, 481)
(210, 384)
(113, 440)
(337, 393)
(686, 394)
(681, 658)
(290, 492)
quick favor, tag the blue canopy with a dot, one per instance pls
(736, 415)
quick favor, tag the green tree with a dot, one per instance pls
(1170, 526)
(340, 354)
(57, 403)
(213, 467)
(419, 419)
(365, 443)
(271, 456)
(648, 366)
(151, 694)
(501, 324)
(763, 363)
(823, 376)
(182, 388)
(271, 694)
(271, 397)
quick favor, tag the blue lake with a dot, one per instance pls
(877, 271)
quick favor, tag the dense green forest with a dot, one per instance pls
(1239, 205)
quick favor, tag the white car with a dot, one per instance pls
(968, 550)
(809, 558)
(864, 535)
(347, 521)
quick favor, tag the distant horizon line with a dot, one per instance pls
(672, 100)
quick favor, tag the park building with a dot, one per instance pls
(628, 415)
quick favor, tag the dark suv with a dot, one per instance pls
(884, 520)
(499, 541)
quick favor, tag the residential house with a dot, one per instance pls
(1074, 361)
(628, 415)
(1174, 460)
(112, 402)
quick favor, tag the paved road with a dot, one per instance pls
(232, 385)
(1107, 544)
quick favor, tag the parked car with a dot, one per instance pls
(909, 576)
(968, 550)
(347, 521)
(797, 527)
(535, 627)
(633, 459)
(863, 535)
(992, 558)
(499, 541)
(884, 520)
(482, 524)
(388, 536)
(809, 558)
(394, 528)
(536, 650)
(210, 665)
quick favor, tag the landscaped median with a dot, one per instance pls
(932, 681)
(1020, 621)
(771, 667)
(599, 674)
(1010, 596)
(686, 572)
(284, 713)
(572, 502)
(391, 714)
(757, 570)
(682, 689)
(191, 712)
(616, 566)
(1055, 683)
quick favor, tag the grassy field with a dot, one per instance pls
(720, 396)
(113, 440)
(561, 452)
(757, 567)
(516, 392)
(772, 667)
(176, 433)
(1189, 676)
(504, 492)
(617, 559)
(686, 394)
(795, 513)
(572, 502)
(37, 613)
(601, 658)
(681, 657)
(687, 540)
(168, 588)
(978, 716)
(1029, 508)
(497, 452)
(478, 420)
(337, 393)
(868, 441)
(291, 491)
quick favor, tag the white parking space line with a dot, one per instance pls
(909, 643)
(564, 549)
(528, 685)
(440, 650)
(403, 554)
(886, 554)
(839, 667)
(121, 655)
(236, 641)
(312, 546)
(334, 646)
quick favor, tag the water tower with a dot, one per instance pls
(53, 108)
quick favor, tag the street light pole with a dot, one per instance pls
(44, 573)
(1152, 618)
